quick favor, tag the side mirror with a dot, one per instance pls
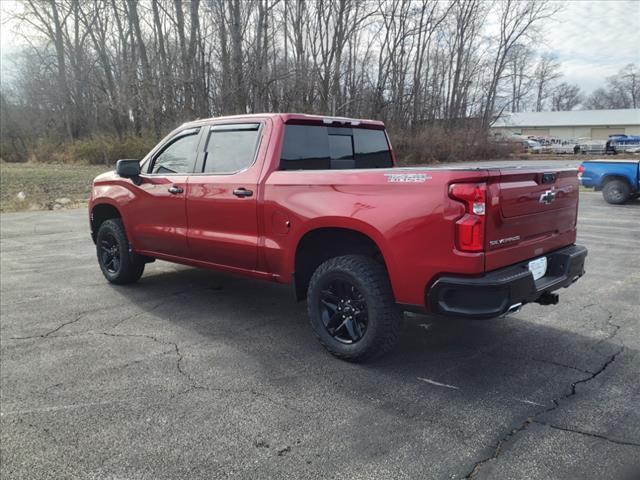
(128, 168)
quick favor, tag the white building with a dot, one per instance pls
(574, 124)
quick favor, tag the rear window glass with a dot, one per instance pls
(316, 147)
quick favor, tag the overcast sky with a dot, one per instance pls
(592, 39)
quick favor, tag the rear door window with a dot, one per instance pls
(231, 148)
(317, 147)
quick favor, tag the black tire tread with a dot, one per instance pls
(610, 184)
(374, 276)
(132, 267)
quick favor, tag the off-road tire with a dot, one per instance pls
(130, 266)
(384, 316)
(616, 192)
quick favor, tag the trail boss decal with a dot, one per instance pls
(407, 177)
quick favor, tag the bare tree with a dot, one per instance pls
(138, 67)
(547, 71)
(519, 71)
(625, 86)
(566, 97)
(621, 91)
(518, 21)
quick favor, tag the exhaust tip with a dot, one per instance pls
(515, 308)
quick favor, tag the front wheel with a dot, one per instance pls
(352, 309)
(117, 263)
(616, 192)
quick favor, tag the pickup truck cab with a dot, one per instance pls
(619, 180)
(317, 203)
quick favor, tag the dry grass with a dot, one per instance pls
(435, 145)
(43, 184)
(95, 150)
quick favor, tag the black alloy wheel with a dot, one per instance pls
(110, 253)
(344, 311)
(118, 263)
(352, 309)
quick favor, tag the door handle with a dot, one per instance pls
(242, 192)
(175, 189)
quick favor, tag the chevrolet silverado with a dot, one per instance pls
(318, 203)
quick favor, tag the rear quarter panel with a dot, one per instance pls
(412, 223)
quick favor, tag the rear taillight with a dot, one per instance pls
(470, 228)
(580, 170)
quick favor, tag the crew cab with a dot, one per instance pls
(619, 180)
(318, 203)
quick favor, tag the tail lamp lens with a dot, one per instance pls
(470, 228)
(580, 170)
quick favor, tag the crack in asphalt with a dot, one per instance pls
(608, 320)
(174, 345)
(138, 314)
(79, 317)
(535, 359)
(560, 364)
(589, 434)
(499, 447)
(194, 384)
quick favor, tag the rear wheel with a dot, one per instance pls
(352, 309)
(616, 191)
(117, 263)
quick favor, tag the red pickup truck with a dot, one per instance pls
(317, 202)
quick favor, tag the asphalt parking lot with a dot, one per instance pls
(193, 374)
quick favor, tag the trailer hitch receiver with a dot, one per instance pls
(548, 298)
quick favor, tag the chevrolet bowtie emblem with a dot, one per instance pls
(548, 197)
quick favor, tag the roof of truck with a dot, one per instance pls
(288, 117)
(611, 160)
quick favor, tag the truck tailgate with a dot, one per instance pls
(531, 212)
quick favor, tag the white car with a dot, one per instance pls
(533, 146)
